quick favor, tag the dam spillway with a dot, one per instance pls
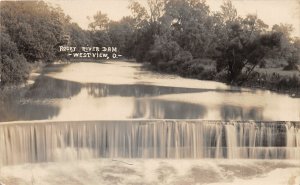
(33, 142)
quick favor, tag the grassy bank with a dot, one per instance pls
(271, 77)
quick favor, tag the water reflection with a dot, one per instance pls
(49, 88)
(14, 111)
(57, 99)
(161, 109)
(136, 90)
(230, 112)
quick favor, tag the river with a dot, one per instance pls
(121, 90)
(118, 123)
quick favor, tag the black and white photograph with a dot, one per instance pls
(150, 92)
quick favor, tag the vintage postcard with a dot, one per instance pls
(150, 92)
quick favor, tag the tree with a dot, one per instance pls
(294, 59)
(163, 50)
(121, 34)
(140, 14)
(100, 22)
(145, 29)
(13, 66)
(100, 39)
(99, 35)
(35, 27)
(156, 8)
(285, 50)
(192, 25)
(77, 36)
(228, 12)
(243, 51)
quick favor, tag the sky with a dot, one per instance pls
(270, 11)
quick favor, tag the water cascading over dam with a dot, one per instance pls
(57, 141)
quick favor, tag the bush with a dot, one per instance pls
(292, 63)
(163, 50)
(191, 69)
(221, 76)
(183, 56)
(181, 62)
(14, 70)
(208, 75)
(163, 66)
(288, 83)
(13, 66)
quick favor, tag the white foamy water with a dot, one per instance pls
(154, 172)
(156, 130)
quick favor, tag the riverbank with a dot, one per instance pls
(16, 91)
(117, 90)
(273, 78)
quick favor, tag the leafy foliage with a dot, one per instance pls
(244, 51)
(175, 36)
(35, 27)
(13, 66)
(32, 31)
(186, 30)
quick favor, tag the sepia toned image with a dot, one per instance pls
(150, 92)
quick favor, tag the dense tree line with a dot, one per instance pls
(32, 31)
(179, 36)
(187, 32)
(183, 36)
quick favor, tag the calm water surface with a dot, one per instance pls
(121, 90)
